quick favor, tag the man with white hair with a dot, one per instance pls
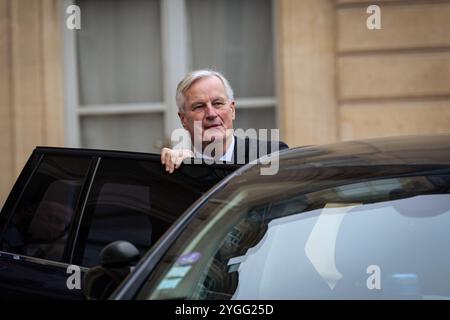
(206, 108)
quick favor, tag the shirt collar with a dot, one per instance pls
(227, 157)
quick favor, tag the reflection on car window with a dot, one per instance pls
(329, 238)
(41, 222)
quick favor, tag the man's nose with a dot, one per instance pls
(210, 111)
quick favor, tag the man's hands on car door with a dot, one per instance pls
(172, 159)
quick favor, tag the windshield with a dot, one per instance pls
(315, 233)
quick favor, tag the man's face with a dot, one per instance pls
(207, 105)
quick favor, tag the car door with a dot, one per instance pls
(68, 204)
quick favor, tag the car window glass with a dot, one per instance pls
(334, 239)
(39, 226)
(137, 201)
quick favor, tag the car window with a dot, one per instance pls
(137, 201)
(326, 236)
(40, 224)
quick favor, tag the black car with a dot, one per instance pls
(355, 220)
(67, 204)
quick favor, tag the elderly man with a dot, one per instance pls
(206, 108)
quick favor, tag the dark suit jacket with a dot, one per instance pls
(247, 150)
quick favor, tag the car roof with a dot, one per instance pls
(424, 149)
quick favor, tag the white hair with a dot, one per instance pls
(192, 77)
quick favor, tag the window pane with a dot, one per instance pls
(143, 133)
(137, 201)
(40, 224)
(120, 52)
(312, 233)
(234, 36)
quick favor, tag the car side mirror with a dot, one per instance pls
(117, 261)
(119, 254)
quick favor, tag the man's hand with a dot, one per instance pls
(172, 159)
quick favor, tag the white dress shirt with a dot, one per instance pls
(227, 157)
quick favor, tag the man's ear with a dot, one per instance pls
(233, 110)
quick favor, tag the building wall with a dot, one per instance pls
(393, 81)
(31, 104)
(306, 42)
